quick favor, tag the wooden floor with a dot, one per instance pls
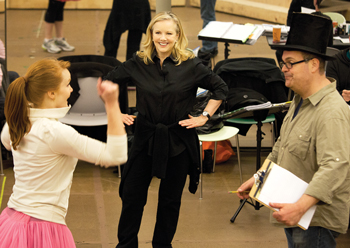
(95, 206)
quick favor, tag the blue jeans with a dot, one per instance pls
(313, 237)
(207, 15)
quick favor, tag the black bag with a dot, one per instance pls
(241, 97)
(215, 123)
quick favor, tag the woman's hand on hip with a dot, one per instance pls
(128, 119)
(193, 122)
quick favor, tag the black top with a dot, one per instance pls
(167, 95)
(164, 97)
(339, 69)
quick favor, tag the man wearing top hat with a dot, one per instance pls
(314, 141)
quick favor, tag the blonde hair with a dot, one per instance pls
(41, 77)
(179, 52)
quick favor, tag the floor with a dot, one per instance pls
(95, 206)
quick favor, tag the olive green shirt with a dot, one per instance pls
(315, 146)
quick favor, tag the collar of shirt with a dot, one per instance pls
(51, 113)
(154, 55)
(317, 97)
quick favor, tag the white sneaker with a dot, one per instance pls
(50, 46)
(63, 45)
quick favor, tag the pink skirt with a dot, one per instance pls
(20, 230)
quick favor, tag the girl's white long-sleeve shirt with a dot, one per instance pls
(45, 160)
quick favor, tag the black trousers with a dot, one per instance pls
(134, 198)
(54, 11)
(111, 41)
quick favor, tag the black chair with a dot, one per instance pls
(261, 75)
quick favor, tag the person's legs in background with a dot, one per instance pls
(111, 40)
(54, 18)
(133, 42)
(313, 237)
(60, 41)
(111, 36)
(111, 43)
(207, 15)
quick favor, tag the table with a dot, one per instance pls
(336, 43)
(227, 41)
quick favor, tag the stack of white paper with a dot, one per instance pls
(258, 106)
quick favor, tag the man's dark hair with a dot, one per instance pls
(311, 56)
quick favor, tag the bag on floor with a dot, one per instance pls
(223, 150)
(208, 161)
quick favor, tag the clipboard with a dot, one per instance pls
(276, 184)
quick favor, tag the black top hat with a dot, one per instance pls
(308, 33)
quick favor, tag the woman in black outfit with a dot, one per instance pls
(165, 145)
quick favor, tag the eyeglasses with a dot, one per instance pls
(290, 65)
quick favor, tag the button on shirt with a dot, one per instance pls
(315, 147)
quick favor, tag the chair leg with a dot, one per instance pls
(119, 171)
(200, 175)
(239, 160)
(215, 146)
(1, 166)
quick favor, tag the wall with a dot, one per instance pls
(2, 6)
(268, 10)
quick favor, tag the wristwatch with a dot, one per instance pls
(206, 114)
